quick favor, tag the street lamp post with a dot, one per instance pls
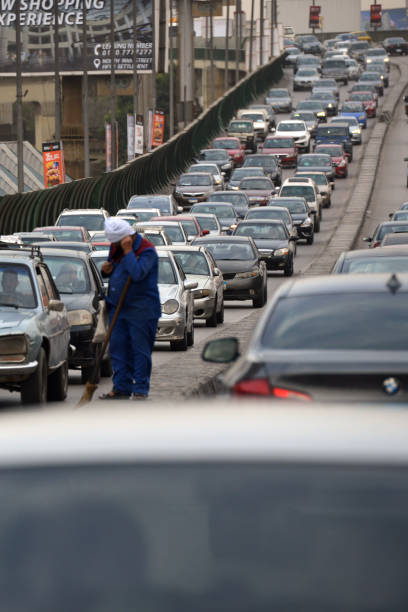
(19, 104)
(57, 75)
(113, 84)
(85, 117)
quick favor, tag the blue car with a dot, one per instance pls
(354, 109)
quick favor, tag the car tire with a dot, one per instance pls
(57, 388)
(259, 301)
(106, 368)
(179, 345)
(288, 270)
(190, 335)
(212, 321)
(310, 239)
(220, 314)
(34, 390)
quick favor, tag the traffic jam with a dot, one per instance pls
(238, 221)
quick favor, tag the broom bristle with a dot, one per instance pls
(87, 394)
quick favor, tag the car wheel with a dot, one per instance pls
(310, 239)
(34, 390)
(259, 301)
(106, 368)
(179, 345)
(58, 384)
(288, 271)
(212, 321)
(220, 314)
(190, 335)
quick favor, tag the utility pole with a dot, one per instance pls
(211, 55)
(19, 105)
(261, 32)
(171, 75)
(57, 75)
(135, 77)
(237, 39)
(153, 85)
(113, 83)
(251, 35)
(85, 117)
(226, 79)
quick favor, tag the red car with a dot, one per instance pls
(233, 146)
(189, 223)
(369, 103)
(338, 156)
(283, 148)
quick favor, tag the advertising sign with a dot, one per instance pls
(139, 135)
(53, 161)
(37, 36)
(314, 16)
(375, 15)
(130, 137)
(108, 147)
(158, 129)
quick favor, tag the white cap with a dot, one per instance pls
(116, 229)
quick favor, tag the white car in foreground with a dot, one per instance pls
(292, 128)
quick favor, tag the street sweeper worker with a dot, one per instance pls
(133, 335)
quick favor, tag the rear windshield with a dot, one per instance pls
(193, 262)
(91, 222)
(373, 265)
(240, 126)
(305, 191)
(332, 131)
(279, 143)
(167, 276)
(316, 160)
(148, 202)
(292, 206)
(339, 322)
(259, 231)
(332, 63)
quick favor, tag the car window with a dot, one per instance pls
(167, 275)
(91, 222)
(190, 228)
(240, 126)
(16, 286)
(207, 223)
(147, 202)
(390, 229)
(174, 233)
(69, 275)
(45, 299)
(293, 207)
(358, 321)
(50, 289)
(192, 263)
(291, 127)
(226, 144)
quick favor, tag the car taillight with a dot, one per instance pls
(342, 163)
(261, 386)
(375, 244)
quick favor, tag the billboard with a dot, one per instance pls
(37, 36)
(158, 129)
(53, 161)
(375, 15)
(314, 16)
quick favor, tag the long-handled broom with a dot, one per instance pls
(91, 386)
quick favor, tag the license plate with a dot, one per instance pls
(398, 50)
(193, 200)
(225, 283)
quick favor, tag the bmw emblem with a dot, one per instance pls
(391, 385)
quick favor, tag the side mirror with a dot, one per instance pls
(180, 209)
(390, 215)
(56, 306)
(222, 350)
(190, 285)
(205, 232)
(367, 239)
(217, 272)
(405, 158)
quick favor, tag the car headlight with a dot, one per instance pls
(218, 180)
(369, 61)
(201, 293)
(307, 223)
(356, 131)
(281, 252)
(233, 226)
(170, 307)
(13, 348)
(250, 274)
(321, 114)
(330, 105)
(79, 317)
(382, 77)
(234, 187)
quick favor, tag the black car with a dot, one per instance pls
(243, 270)
(81, 289)
(328, 100)
(220, 157)
(326, 338)
(238, 199)
(396, 45)
(274, 243)
(268, 163)
(382, 229)
(303, 218)
(381, 260)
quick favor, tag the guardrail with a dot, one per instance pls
(146, 174)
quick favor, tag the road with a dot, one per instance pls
(390, 188)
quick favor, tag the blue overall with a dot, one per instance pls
(133, 335)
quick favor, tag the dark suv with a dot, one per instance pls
(327, 133)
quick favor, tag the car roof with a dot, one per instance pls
(184, 248)
(101, 253)
(212, 203)
(58, 228)
(378, 252)
(264, 221)
(65, 253)
(197, 432)
(393, 223)
(213, 238)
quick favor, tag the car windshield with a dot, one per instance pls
(306, 73)
(240, 126)
(237, 199)
(167, 275)
(189, 227)
(292, 206)
(189, 180)
(332, 63)
(220, 155)
(360, 97)
(305, 191)
(357, 321)
(211, 169)
(278, 93)
(207, 223)
(226, 144)
(331, 131)
(16, 288)
(373, 265)
(279, 143)
(316, 160)
(150, 202)
(220, 211)
(291, 127)
(174, 233)
(69, 274)
(267, 213)
(348, 120)
(91, 222)
(240, 173)
(352, 107)
(319, 179)
(376, 52)
(310, 104)
(369, 76)
(259, 231)
(389, 229)
(253, 116)
(156, 239)
(255, 183)
(268, 161)
(334, 151)
(193, 262)
(304, 115)
(327, 83)
(230, 250)
(323, 95)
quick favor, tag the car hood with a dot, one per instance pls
(268, 243)
(260, 193)
(77, 301)
(194, 188)
(233, 265)
(280, 151)
(168, 292)
(316, 169)
(13, 320)
(277, 101)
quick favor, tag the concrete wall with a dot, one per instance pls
(341, 16)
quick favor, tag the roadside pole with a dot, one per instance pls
(19, 100)
(85, 117)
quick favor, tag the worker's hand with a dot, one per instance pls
(127, 244)
(107, 267)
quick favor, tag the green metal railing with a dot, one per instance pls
(147, 174)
